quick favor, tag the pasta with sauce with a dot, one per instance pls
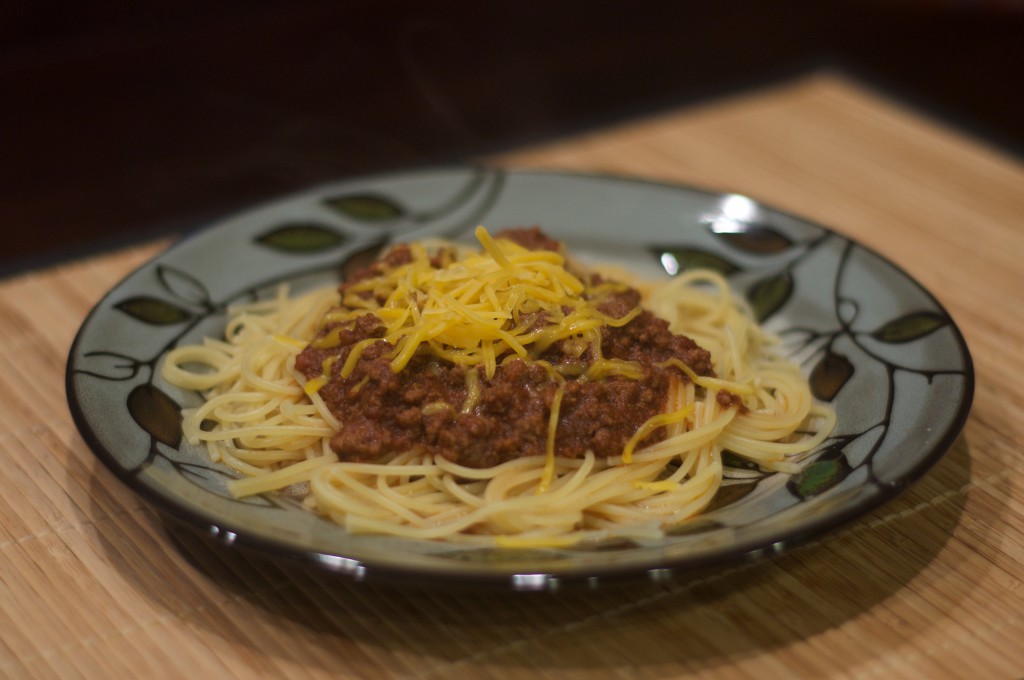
(500, 396)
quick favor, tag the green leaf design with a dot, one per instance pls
(372, 208)
(829, 375)
(183, 285)
(301, 237)
(768, 295)
(758, 239)
(818, 477)
(677, 260)
(156, 413)
(732, 460)
(728, 494)
(910, 327)
(153, 311)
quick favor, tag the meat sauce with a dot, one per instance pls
(422, 406)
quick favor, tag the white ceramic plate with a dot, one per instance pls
(874, 343)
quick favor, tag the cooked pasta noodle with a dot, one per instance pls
(264, 419)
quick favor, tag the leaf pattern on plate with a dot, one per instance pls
(769, 294)
(730, 493)
(910, 327)
(370, 208)
(806, 262)
(819, 476)
(183, 286)
(757, 239)
(829, 375)
(676, 260)
(732, 460)
(111, 366)
(301, 237)
(153, 311)
(156, 413)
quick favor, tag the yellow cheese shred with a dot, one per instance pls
(353, 356)
(477, 308)
(549, 456)
(482, 308)
(650, 426)
(707, 382)
(326, 366)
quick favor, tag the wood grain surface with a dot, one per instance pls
(94, 583)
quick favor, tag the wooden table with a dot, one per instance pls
(93, 583)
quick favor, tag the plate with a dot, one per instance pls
(874, 343)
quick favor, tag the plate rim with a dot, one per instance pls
(223, 534)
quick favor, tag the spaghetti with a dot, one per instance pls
(293, 397)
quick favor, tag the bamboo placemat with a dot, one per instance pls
(93, 583)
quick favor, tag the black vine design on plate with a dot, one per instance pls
(189, 300)
(383, 212)
(830, 370)
(768, 294)
(185, 301)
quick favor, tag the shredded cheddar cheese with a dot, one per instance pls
(650, 426)
(709, 383)
(504, 423)
(478, 308)
(549, 456)
(314, 385)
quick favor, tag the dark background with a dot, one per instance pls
(122, 120)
